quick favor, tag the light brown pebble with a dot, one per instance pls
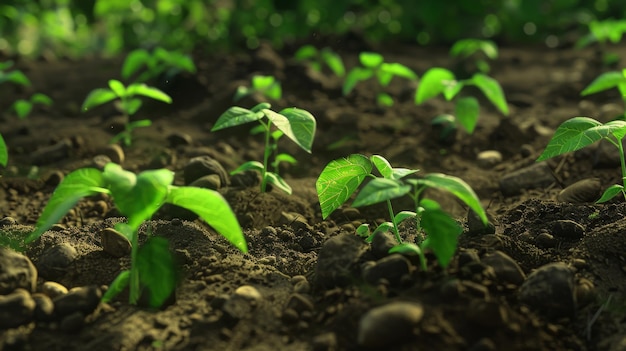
(53, 289)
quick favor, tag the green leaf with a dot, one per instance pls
(382, 165)
(260, 107)
(306, 52)
(383, 99)
(406, 248)
(442, 232)
(235, 116)
(371, 59)
(380, 190)
(16, 77)
(213, 209)
(334, 62)
(147, 91)
(134, 61)
(118, 88)
(131, 106)
(6, 64)
(356, 75)
(22, 108)
(76, 185)
(297, 124)
(604, 81)
(278, 182)
(468, 47)
(339, 180)
(466, 111)
(403, 215)
(579, 132)
(433, 83)
(98, 97)
(457, 187)
(247, 166)
(157, 270)
(400, 70)
(492, 90)
(39, 98)
(4, 152)
(610, 193)
(117, 286)
(285, 158)
(363, 230)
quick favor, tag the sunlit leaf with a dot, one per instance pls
(433, 83)
(467, 110)
(492, 90)
(380, 190)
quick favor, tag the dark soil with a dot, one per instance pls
(309, 272)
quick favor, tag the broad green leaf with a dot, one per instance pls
(16, 77)
(235, 116)
(213, 209)
(339, 180)
(466, 111)
(383, 99)
(285, 158)
(4, 152)
(363, 230)
(157, 270)
(603, 82)
(384, 78)
(457, 187)
(611, 192)
(267, 85)
(98, 97)
(382, 165)
(398, 69)
(403, 215)
(117, 87)
(118, 180)
(451, 88)
(117, 286)
(468, 47)
(356, 75)
(131, 106)
(297, 124)
(22, 108)
(260, 107)
(380, 190)
(442, 232)
(334, 62)
(76, 185)
(433, 83)
(147, 91)
(371, 59)
(247, 166)
(306, 52)
(134, 61)
(278, 182)
(39, 98)
(492, 90)
(579, 132)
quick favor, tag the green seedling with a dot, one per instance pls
(606, 81)
(127, 102)
(266, 86)
(14, 76)
(341, 178)
(297, 124)
(23, 107)
(374, 65)
(476, 49)
(466, 111)
(579, 132)
(603, 32)
(138, 197)
(317, 59)
(156, 63)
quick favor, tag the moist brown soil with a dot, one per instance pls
(464, 307)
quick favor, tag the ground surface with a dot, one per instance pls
(316, 279)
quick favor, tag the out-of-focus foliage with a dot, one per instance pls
(77, 27)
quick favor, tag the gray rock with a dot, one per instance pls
(99, 161)
(475, 225)
(545, 240)
(53, 153)
(489, 158)
(337, 263)
(382, 242)
(550, 290)
(325, 342)
(54, 261)
(44, 307)
(389, 324)
(81, 299)
(114, 243)
(211, 181)
(566, 228)
(537, 175)
(16, 309)
(201, 166)
(115, 153)
(392, 268)
(16, 271)
(506, 269)
(72, 323)
(177, 139)
(249, 293)
(583, 191)
(300, 303)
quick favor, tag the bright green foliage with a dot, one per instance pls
(606, 81)
(127, 102)
(138, 197)
(374, 65)
(466, 48)
(297, 124)
(23, 107)
(442, 81)
(318, 58)
(267, 86)
(609, 30)
(340, 179)
(579, 132)
(15, 76)
(4, 152)
(159, 62)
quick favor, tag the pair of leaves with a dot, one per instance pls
(317, 57)
(117, 90)
(297, 124)
(267, 86)
(270, 177)
(156, 63)
(374, 65)
(23, 107)
(15, 76)
(469, 47)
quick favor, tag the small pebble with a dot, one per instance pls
(16, 309)
(53, 289)
(583, 191)
(507, 270)
(80, 299)
(114, 243)
(545, 240)
(489, 158)
(115, 153)
(249, 293)
(389, 324)
(550, 290)
(176, 139)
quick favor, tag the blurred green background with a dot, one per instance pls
(75, 28)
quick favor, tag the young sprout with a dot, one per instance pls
(138, 197)
(156, 63)
(266, 86)
(374, 65)
(606, 81)
(472, 48)
(602, 32)
(340, 179)
(297, 124)
(23, 107)
(127, 102)
(317, 59)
